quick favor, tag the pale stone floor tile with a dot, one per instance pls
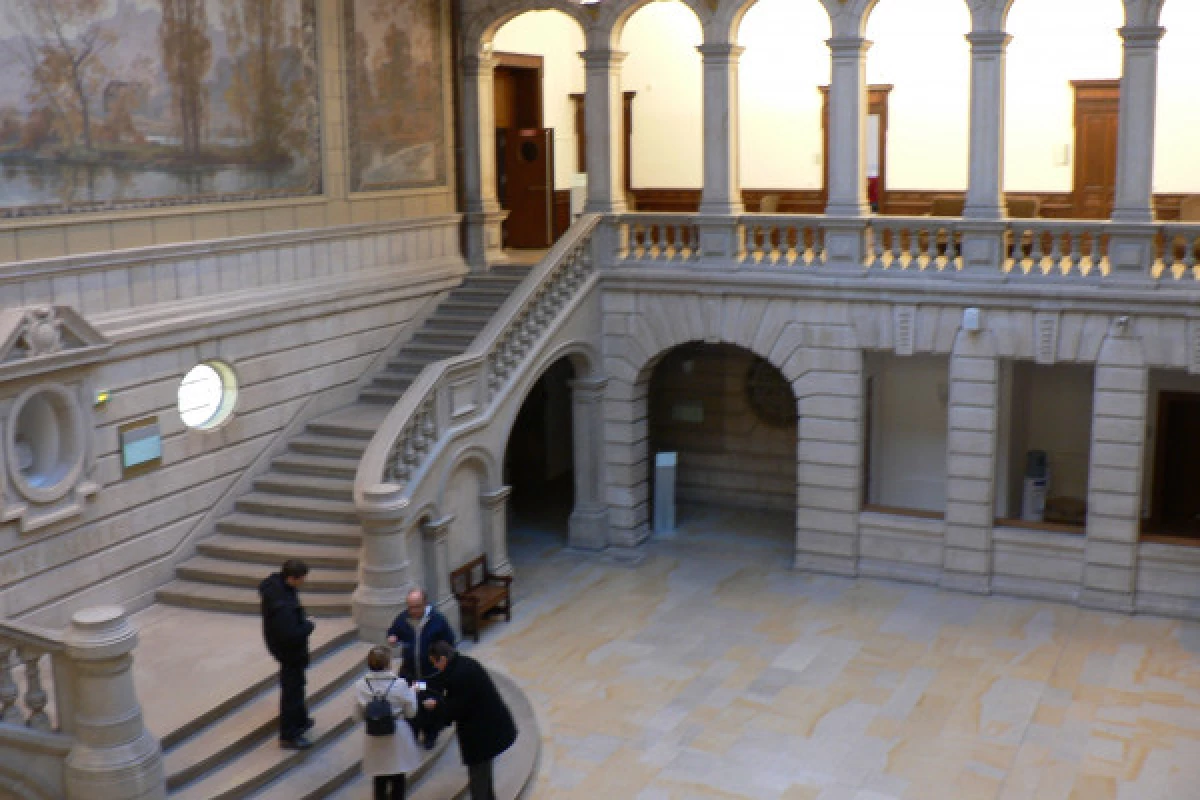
(712, 670)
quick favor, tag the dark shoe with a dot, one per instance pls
(307, 726)
(299, 743)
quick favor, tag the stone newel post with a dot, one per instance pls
(483, 213)
(495, 529)
(384, 574)
(588, 524)
(436, 535)
(602, 120)
(114, 757)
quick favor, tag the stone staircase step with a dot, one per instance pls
(328, 446)
(205, 569)
(445, 338)
(291, 530)
(270, 552)
(463, 307)
(362, 427)
(454, 322)
(239, 600)
(319, 465)
(434, 352)
(262, 763)
(381, 396)
(306, 486)
(494, 298)
(320, 509)
(387, 380)
(257, 718)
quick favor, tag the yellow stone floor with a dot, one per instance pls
(712, 670)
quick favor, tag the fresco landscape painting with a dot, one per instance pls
(397, 119)
(109, 104)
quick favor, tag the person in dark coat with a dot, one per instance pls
(415, 631)
(483, 722)
(286, 629)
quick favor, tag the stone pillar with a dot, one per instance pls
(627, 463)
(985, 195)
(113, 756)
(494, 507)
(971, 464)
(588, 525)
(483, 214)
(847, 127)
(1115, 472)
(385, 574)
(436, 537)
(722, 194)
(602, 110)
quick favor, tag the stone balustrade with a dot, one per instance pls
(29, 654)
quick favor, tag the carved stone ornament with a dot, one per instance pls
(40, 339)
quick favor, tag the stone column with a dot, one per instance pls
(627, 463)
(483, 214)
(985, 196)
(113, 756)
(722, 193)
(494, 507)
(847, 154)
(1115, 472)
(588, 525)
(436, 537)
(385, 574)
(971, 464)
(602, 110)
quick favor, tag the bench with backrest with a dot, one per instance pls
(480, 593)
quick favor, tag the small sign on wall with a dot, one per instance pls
(141, 446)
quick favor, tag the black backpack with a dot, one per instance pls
(381, 720)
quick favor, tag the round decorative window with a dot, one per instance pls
(207, 395)
(769, 395)
(46, 444)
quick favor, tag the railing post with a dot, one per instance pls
(495, 535)
(845, 244)
(114, 757)
(436, 535)
(385, 571)
(983, 248)
(588, 524)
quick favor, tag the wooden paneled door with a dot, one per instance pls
(1096, 110)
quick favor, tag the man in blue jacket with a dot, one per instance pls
(286, 629)
(415, 631)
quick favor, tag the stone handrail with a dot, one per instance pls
(1014, 249)
(410, 433)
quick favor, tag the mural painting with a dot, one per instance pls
(397, 118)
(109, 104)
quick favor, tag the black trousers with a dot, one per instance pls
(293, 713)
(427, 723)
(479, 779)
(389, 787)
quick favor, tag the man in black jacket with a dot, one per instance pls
(415, 631)
(286, 630)
(484, 725)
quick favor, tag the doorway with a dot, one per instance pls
(524, 152)
(1097, 106)
(539, 459)
(876, 136)
(1176, 509)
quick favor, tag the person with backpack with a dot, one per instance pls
(389, 749)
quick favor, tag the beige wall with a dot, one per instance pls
(50, 237)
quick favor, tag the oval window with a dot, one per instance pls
(207, 395)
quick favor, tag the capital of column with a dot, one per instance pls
(848, 47)
(492, 500)
(718, 52)
(477, 64)
(437, 530)
(1141, 37)
(602, 59)
(988, 43)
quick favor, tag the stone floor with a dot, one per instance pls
(711, 670)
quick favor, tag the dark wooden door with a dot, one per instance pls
(1177, 470)
(1096, 109)
(529, 186)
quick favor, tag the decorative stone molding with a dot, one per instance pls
(1045, 337)
(41, 339)
(904, 327)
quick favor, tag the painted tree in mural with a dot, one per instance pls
(187, 56)
(61, 49)
(260, 41)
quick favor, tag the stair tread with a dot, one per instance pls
(340, 761)
(247, 573)
(336, 442)
(339, 464)
(275, 481)
(301, 527)
(302, 550)
(353, 417)
(321, 505)
(238, 599)
(257, 717)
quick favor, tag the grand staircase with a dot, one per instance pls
(302, 507)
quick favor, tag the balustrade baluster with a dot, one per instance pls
(792, 236)
(1189, 251)
(1056, 252)
(1076, 252)
(36, 698)
(1097, 251)
(1036, 256)
(9, 694)
(931, 247)
(914, 249)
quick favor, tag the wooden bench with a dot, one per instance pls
(480, 593)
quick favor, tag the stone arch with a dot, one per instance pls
(478, 32)
(612, 17)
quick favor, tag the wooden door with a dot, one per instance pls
(529, 186)
(1177, 470)
(517, 96)
(877, 106)
(1096, 110)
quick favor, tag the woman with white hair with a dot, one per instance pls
(389, 749)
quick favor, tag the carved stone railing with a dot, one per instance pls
(1011, 249)
(85, 738)
(446, 397)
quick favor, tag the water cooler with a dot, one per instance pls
(1033, 488)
